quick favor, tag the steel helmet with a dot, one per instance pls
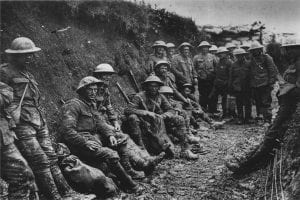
(170, 45)
(239, 51)
(162, 62)
(189, 85)
(153, 79)
(104, 68)
(294, 42)
(185, 44)
(255, 45)
(165, 90)
(245, 45)
(213, 48)
(230, 45)
(159, 43)
(204, 44)
(88, 80)
(22, 45)
(222, 50)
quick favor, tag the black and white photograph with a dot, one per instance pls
(150, 100)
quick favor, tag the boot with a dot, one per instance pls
(193, 139)
(136, 175)
(150, 165)
(47, 185)
(62, 185)
(126, 181)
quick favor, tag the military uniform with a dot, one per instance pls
(160, 105)
(153, 59)
(82, 124)
(239, 85)
(14, 168)
(221, 82)
(183, 69)
(205, 67)
(263, 74)
(32, 132)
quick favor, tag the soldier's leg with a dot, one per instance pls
(37, 160)
(45, 142)
(203, 94)
(239, 105)
(248, 107)
(224, 104)
(266, 101)
(16, 172)
(136, 133)
(257, 100)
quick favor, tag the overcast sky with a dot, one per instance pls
(278, 15)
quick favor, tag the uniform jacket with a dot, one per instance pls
(80, 120)
(159, 106)
(184, 67)
(205, 66)
(239, 78)
(31, 111)
(104, 106)
(222, 73)
(291, 77)
(7, 136)
(263, 71)
(153, 59)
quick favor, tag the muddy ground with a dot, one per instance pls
(208, 178)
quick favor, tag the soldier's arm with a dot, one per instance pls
(70, 114)
(166, 106)
(174, 69)
(110, 111)
(135, 107)
(104, 129)
(272, 69)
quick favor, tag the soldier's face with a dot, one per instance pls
(153, 88)
(163, 69)
(171, 51)
(91, 92)
(222, 55)
(187, 91)
(106, 77)
(240, 57)
(256, 52)
(186, 51)
(168, 95)
(24, 59)
(205, 50)
(160, 51)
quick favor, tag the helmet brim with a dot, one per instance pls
(12, 51)
(146, 83)
(254, 48)
(201, 46)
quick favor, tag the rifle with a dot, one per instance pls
(123, 93)
(136, 87)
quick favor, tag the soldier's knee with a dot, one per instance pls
(110, 154)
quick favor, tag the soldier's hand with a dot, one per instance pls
(92, 145)
(113, 141)
(117, 126)
(151, 114)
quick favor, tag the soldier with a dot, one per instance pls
(263, 74)
(205, 64)
(222, 78)
(160, 49)
(230, 47)
(171, 51)
(14, 168)
(182, 66)
(213, 49)
(85, 132)
(31, 129)
(161, 70)
(239, 85)
(149, 105)
(289, 96)
(141, 157)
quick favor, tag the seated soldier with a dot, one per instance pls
(195, 108)
(140, 158)
(88, 136)
(149, 105)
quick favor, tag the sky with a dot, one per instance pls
(278, 15)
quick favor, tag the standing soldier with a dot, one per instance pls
(182, 66)
(205, 64)
(289, 97)
(149, 105)
(263, 74)
(213, 49)
(160, 49)
(230, 47)
(31, 129)
(14, 168)
(239, 85)
(87, 135)
(222, 78)
(171, 51)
